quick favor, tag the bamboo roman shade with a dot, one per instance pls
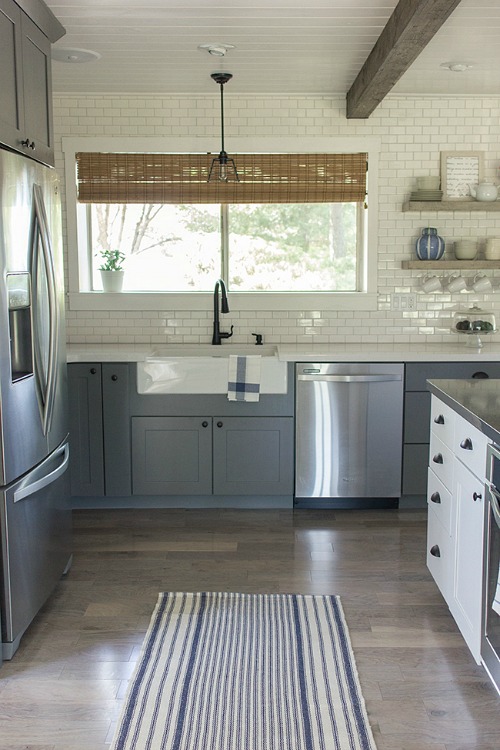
(182, 178)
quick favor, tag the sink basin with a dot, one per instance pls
(194, 368)
(208, 350)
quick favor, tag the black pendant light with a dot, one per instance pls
(223, 169)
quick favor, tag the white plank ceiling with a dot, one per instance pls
(281, 46)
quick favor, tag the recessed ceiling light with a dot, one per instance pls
(216, 48)
(456, 67)
(73, 55)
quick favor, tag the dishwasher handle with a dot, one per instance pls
(349, 378)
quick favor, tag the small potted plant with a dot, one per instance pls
(111, 269)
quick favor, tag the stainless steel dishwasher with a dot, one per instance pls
(349, 434)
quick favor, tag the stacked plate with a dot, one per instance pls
(426, 195)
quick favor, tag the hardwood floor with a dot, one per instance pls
(64, 688)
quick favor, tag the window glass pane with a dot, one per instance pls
(166, 247)
(293, 247)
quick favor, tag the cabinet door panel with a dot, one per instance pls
(11, 99)
(417, 413)
(172, 455)
(253, 456)
(116, 416)
(440, 556)
(415, 462)
(37, 90)
(86, 430)
(465, 604)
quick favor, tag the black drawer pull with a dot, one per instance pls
(477, 496)
(481, 375)
(114, 377)
(438, 458)
(466, 444)
(439, 419)
(93, 371)
(220, 424)
(435, 551)
(435, 497)
(204, 424)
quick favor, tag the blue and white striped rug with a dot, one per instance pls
(227, 671)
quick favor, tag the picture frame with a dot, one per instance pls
(459, 170)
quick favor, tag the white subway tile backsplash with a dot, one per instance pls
(411, 144)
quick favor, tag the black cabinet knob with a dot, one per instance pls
(438, 458)
(93, 371)
(220, 424)
(114, 377)
(466, 444)
(435, 497)
(439, 419)
(435, 551)
(477, 496)
(204, 424)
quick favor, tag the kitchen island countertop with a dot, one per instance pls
(354, 352)
(478, 401)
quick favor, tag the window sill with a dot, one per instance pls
(244, 301)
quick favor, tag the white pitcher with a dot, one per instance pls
(485, 191)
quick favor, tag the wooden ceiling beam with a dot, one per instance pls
(409, 29)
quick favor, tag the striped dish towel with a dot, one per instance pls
(243, 378)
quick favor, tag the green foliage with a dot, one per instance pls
(112, 260)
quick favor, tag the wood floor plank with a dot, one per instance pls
(64, 688)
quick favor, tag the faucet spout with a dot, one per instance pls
(218, 335)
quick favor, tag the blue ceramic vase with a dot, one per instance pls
(430, 246)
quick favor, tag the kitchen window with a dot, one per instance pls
(256, 247)
(296, 225)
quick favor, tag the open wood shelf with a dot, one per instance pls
(457, 205)
(447, 265)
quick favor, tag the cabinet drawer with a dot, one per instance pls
(441, 461)
(418, 373)
(470, 447)
(439, 555)
(439, 500)
(442, 421)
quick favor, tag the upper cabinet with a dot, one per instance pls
(25, 78)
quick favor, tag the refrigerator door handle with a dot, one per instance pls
(44, 481)
(46, 386)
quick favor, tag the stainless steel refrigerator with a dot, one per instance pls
(35, 515)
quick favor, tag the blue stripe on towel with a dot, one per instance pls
(244, 378)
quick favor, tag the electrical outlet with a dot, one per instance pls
(404, 302)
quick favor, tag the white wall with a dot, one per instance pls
(413, 132)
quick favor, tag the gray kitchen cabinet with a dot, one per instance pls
(253, 455)
(128, 446)
(172, 455)
(86, 433)
(417, 413)
(216, 455)
(116, 425)
(99, 429)
(26, 78)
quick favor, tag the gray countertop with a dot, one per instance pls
(478, 401)
(355, 352)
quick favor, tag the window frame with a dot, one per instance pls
(79, 262)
